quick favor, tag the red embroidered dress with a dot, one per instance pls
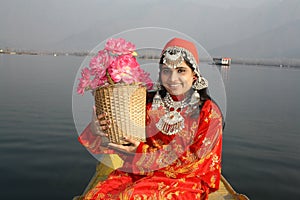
(186, 165)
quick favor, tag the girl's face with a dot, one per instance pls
(179, 80)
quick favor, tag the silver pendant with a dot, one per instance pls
(171, 123)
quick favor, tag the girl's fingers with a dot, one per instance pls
(104, 127)
(102, 115)
(132, 141)
(128, 148)
(104, 122)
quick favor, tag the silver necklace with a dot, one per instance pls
(172, 122)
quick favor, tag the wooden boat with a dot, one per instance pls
(222, 61)
(225, 192)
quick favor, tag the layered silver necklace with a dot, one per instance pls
(172, 122)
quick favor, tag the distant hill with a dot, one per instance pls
(267, 17)
(280, 42)
(269, 30)
(223, 29)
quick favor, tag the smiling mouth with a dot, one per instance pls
(173, 85)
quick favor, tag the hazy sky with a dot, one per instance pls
(39, 23)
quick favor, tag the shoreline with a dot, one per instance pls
(276, 62)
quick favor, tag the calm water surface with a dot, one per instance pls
(41, 158)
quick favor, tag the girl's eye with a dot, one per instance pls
(181, 70)
(165, 71)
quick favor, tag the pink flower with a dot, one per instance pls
(144, 77)
(98, 81)
(85, 73)
(99, 63)
(122, 69)
(119, 46)
(114, 64)
(84, 81)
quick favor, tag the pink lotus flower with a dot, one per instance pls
(122, 69)
(99, 63)
(114, 64)
(119, 46)
(145, 78)
(97, 81)
(84, 81)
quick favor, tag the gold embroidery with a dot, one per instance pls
(215, 159)
(206, 120)
(170, 174)
(195, 186)
(166, 192)
(177, 147)
(166, 158)
(126, 195)
(213, 181)
(206, 141)
(182, 180)
(215, 114)
(188, 169)
(190, 157)
(160, 185)
(158, 143)
(146, 160)
(199, 136)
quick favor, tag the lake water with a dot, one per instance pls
(42, 159)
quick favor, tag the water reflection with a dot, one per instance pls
(224, 72)
(261, 138)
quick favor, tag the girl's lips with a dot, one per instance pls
(173, 85)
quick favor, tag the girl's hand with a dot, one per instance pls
(131, 148)
(99, 124)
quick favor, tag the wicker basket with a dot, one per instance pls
(126, 109)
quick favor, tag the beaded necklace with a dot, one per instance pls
(172, 122)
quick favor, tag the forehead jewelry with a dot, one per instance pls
(173, 58)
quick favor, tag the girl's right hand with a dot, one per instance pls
(99, 124)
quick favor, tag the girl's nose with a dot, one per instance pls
(173, 76)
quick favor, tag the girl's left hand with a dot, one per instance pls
(131, 148)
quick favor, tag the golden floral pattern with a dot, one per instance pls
(187, 164)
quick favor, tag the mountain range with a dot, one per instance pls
(266, 32)
(267, 29)
(279, 42)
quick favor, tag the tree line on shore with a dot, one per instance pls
(155, 54)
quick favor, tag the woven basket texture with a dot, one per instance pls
(125, 106)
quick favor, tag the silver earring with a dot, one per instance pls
(195, 99)
(157, 102)
(200, 83)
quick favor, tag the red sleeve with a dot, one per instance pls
(93, 142)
